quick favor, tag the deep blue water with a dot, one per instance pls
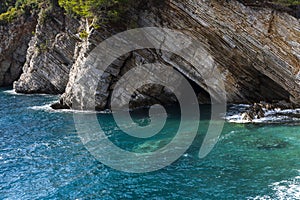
(42, 157)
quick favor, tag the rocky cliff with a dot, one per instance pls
(50, 54)
(14, 39)
(257, 51)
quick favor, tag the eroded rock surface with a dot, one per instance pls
(259, 110)
(50, 55)
(14, 39)
(256, 50)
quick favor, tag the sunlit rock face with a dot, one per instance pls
(14, 39)
(257, 51)
(50, 55)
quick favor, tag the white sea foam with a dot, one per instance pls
(265, 197)
(13, 92)
(47, 108)
(234, 115)
(285, 189)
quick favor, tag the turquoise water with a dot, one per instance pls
(42, 157)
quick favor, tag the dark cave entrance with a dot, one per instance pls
(165, 97)
(256, 86)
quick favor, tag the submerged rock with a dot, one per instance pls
(271, 143)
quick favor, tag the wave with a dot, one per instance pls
(234, 115)
(285, 189)
(48, 108)
(13, 92)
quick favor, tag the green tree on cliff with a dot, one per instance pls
(92, 8)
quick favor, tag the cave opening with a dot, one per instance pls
(254, 86)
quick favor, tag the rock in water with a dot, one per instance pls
(59, 106)
(256, 111)
(271, 144)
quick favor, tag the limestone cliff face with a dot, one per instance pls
(50, 54)
(257, 51)
(14, 39)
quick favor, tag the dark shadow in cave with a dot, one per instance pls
(261, 88)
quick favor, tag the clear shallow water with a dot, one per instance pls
(42, 157)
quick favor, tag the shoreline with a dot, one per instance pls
(240, 113)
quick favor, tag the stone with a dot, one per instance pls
(50, 55)
(255, 111)
(255, 50)
(247, 117)
(59, 106)
(14, 39)
(251, 47)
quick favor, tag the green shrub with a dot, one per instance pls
(288, 2)
(11, 9)
(281, 2)
(42, 47)
(5, 5)
(9, 15)
(113, 15)
(83, 34)
(108, 9)
(45, 14)
(96, 26)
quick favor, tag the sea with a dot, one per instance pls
(43, 157)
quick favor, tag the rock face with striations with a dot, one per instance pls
(14, 39)
(256, 50)
(50, 54)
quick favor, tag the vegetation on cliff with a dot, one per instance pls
(4, 5)
(288, 2)
(281, 2)
(99, 10)
(10, 9)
